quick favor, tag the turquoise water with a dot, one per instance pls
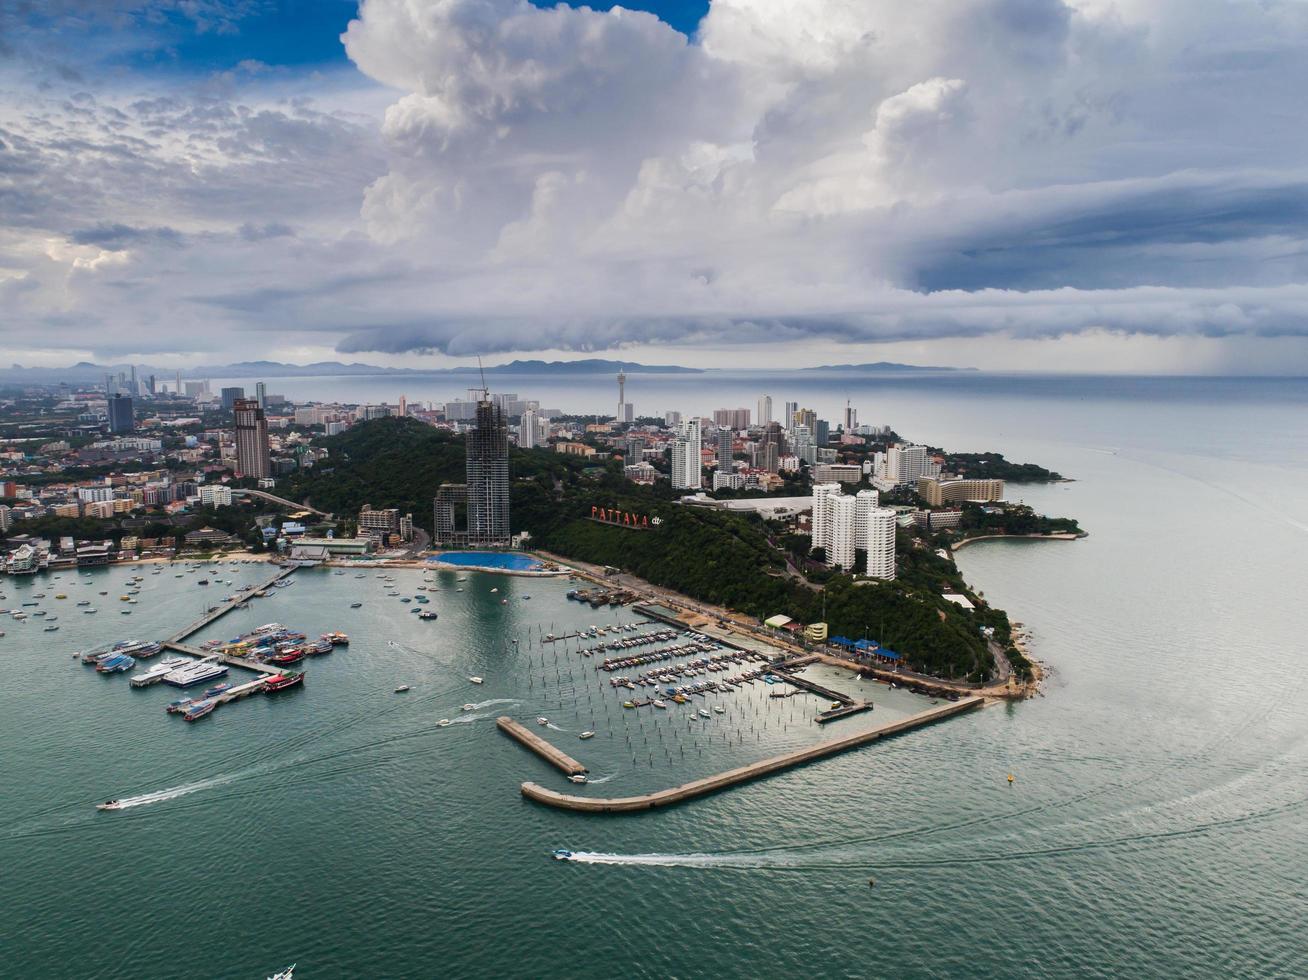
(1155, 828)
(489, 559)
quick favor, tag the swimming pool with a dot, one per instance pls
(489, 559)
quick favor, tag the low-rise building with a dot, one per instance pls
(937, 491)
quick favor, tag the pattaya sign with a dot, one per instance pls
(623, 518)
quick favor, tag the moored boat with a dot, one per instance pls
(281, 682)
(199, 709)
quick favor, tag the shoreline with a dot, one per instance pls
(1056, 536)
(704, 617)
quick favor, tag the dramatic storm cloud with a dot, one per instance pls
(490, 176)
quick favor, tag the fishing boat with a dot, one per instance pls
(402, 688)
(562, 855)
(109, 805)
(578, 778)
(477, 680)
(585, 735)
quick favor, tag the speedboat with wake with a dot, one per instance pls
(287, 974)
(563, 855)
(109, 805)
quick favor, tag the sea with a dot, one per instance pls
(1156, 824)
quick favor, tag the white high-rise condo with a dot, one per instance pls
(764, 411)
(821, 526)
(844, 524)
(905, 463)
(687, 457)
(880, 543)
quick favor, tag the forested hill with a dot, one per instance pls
(729, 559)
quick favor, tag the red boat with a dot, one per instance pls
(281, 682)
(292, 656)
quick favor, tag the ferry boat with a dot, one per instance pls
(157, 672)
(281, 682)
(198, 710)
(198, 672)
(178, 706)
(319, 647)
(286, 657)
(115, 664)
(218, 689)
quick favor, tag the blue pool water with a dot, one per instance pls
(490, 559)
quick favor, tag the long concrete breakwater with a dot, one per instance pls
(528, 739)
(733, 777)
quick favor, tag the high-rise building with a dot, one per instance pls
(120, 414)
(842, 525)
(528, 429)
(404, 407)
(261, 395)
(821, 520)
(769, 451)
(726, 440)
(805, 417)
(671, 419)
(851, 418)
(488, 477)
(821, 432)
(880, 543)
(905, 463)
(251, 439)
(840, 536)
(229, 397)
(731, 418)
(686, 457)
(622, 397)
(764, 411)
(789, 420)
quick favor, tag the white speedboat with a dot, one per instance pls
(444, 723)
(469, 707)
(719, 709)
(109, 805)
(476, 680)
(402, 688)
(579, 778)
(542, 721)
(703, 713)
(287, 974)
(586, 735)
(562, 855)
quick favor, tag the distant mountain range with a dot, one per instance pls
(85, 372)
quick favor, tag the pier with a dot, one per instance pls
(174, 642)
(529, 739)
(225, 658)
(733, 777)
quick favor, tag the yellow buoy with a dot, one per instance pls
(1010, 777)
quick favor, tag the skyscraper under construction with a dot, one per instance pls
(488, 476)
(486, 494)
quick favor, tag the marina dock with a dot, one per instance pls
(733, 777)
(224, 658)
(223, 609)
(529, 739)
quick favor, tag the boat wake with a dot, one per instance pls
(556, 728)
(176, 792)
(487, 704)
(741, 860)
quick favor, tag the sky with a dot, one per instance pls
(1034, 185)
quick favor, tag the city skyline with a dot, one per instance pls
(725, 184)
